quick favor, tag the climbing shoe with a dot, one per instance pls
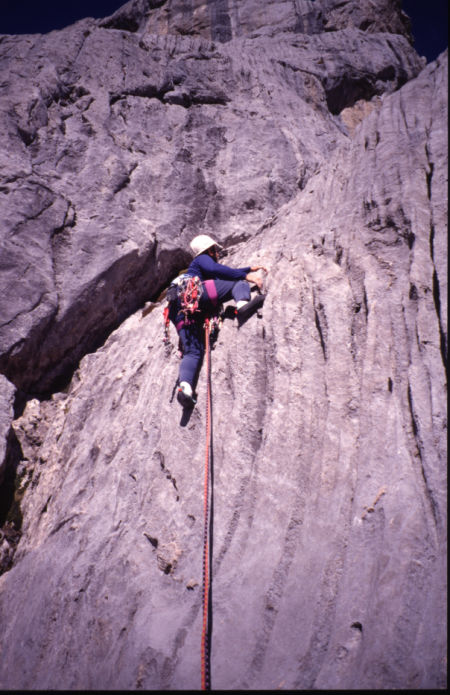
(185, 395)
(249, 308)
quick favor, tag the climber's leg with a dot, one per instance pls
(231, 289)
(191, 362)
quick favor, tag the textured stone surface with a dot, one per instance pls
(116, 143)
(7, 393)
(329, 409)
(224, 20)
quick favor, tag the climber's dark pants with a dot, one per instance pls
(230, 289)
(191, 334)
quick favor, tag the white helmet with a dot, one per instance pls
(201, 243)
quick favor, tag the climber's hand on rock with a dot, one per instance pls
(255, 279)
(251, 277)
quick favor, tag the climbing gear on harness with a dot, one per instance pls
(206, 586)
(202, 243)
(166, 324)
(190, 292)
(249, 308)
(215, 323)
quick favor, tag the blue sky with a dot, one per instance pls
(429, 18)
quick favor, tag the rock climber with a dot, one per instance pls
(220, 284)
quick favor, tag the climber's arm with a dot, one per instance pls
(211, 269)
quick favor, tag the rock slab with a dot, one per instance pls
(329, 408)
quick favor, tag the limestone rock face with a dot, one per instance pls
(315, 145)
(117, 143)
(7, 392)
(224, 20)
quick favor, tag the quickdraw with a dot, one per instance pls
(215, 323)
(166, 338)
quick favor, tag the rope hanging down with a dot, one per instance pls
(206, 628)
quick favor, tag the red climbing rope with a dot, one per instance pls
(205, 656)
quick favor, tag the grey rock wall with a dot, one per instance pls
(7, 392)
(317, 149)
(224, 20)
(117, 143)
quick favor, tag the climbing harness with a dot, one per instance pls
(206, 587)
